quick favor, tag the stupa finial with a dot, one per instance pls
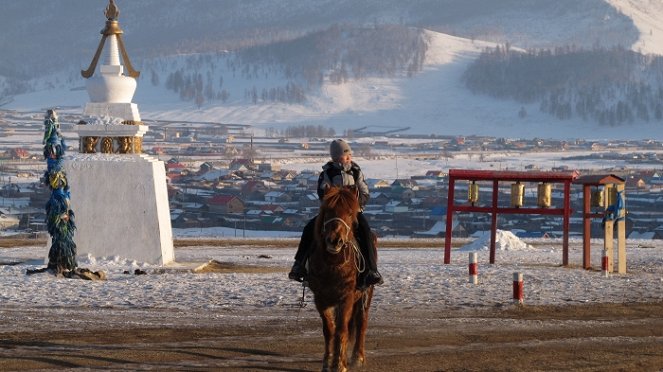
(112, 29)
(112, 12)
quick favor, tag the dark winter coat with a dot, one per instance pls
(335, 174)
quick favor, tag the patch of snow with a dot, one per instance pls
(504, 241)
(414, 277)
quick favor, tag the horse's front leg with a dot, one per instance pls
(327, 316)
(343, 314)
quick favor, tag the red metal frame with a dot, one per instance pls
(496, 176)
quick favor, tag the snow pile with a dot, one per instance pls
(103, 120)
(504, 241)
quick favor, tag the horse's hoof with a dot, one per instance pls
(341, 369)
(357, 362)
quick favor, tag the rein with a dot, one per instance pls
(359, 260)
(347, 227)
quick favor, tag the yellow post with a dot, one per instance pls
(608, 232)
(621, 234)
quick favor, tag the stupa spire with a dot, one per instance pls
(112, 12)
(113, 33)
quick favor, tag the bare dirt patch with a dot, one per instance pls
(584, 338)
(214, 266)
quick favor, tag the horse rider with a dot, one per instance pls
(341, 171)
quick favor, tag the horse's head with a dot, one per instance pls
(338, 214)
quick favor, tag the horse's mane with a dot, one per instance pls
(341, 198)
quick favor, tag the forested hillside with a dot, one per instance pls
(286, 71)
(609, 86)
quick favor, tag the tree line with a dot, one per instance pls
(340, 53)
(286, 71)
(609, 86)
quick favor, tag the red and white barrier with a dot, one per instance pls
(605, 262)
(518, 295)
(474, 268)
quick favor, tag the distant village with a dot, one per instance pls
(222, 176)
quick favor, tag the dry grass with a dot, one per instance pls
(215, 266)
(20, 242)
(266, 242)
(291, 243)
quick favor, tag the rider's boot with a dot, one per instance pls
(298, 272)
(373, 277)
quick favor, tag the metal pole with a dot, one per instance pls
(493, 223)
(450, 212)
(565, 228)
(587, 227)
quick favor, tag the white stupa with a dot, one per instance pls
(119, 195)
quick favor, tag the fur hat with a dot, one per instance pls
(339, 148)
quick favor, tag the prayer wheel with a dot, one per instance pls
(544, 198)
(517, 194)
(473, 193)
(611, 195)
(597, 198)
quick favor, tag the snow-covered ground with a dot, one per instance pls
(414, 277)
(393, 167)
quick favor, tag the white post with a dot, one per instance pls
(474, 268)
(518, 287)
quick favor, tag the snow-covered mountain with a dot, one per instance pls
(646, 16)
(431, 101)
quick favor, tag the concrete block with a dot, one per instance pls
(121, 207)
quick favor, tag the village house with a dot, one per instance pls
(225, 204)
(8, 220)
(277, 197)
(175, 169)
(435, 174)
(374, 183)
(378, 198)
(241, 165)
(395, 206)
(272, 209)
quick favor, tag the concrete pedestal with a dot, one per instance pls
(121, 207)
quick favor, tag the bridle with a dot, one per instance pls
(344, 240)
(359, 262)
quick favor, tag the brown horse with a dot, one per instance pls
(334, 265)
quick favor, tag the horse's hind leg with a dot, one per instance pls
(361, 325)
